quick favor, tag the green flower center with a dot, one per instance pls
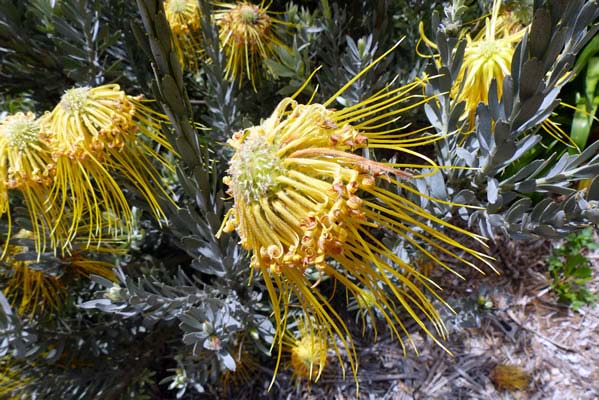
(177, 6)
(255, 168)
(249, 15)
(22, 133)
(75, 100)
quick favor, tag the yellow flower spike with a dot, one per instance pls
(184, 18)
(487, 56)
(247, 37)
(305, 201)
(307, 352)
(27, 167)
(32, 291)
(10, 379)
(94, 133)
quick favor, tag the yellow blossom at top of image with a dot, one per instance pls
(488, 56)
(184, 18)
(247, 37)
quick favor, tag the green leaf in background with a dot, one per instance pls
(587, 104)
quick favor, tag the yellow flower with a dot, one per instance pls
(26, 167)
(487, 56)
(184, 18)
(509, 377)
(94, 133)
(307, 354)
(32, 291)
(28, 289)
(306, 202)
(247, 37)
(10, 379)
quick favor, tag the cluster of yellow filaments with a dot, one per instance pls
(184, 18)
(247, 37)
(305, 202)
(487, 57)
(63, 166)
(307, 355)
(32, 290)
(10, 379)
(26, 167)
(95, 133)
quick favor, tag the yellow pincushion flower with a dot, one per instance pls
(31, 290)
(247, 37)
(307, 355)
(184, 18)
(10, 379)
(487, 56)
(94, 133)
(26, 167)
(306, 202)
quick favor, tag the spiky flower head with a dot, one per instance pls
(11, 380)
(307, 355)
(33, 290)
(26, 167)
(247, 37)
(93, 134)
(184, 18)
(488, 57)
(306, 202)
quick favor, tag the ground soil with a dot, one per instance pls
(512, 319)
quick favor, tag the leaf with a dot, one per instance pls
(586, 106)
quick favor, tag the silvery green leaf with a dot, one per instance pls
(540, 33)
(532, 75)
(492, 190)
(227, 360)
(593, 190)
(465, 155)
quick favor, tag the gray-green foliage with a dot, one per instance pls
(499, 175)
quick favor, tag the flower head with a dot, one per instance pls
(93, 134)
(184, 17)
(27, 168)
(488, 57)
(307, 354)
(11, 379)
(306, 202)
(247, 37)
(32, 290)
